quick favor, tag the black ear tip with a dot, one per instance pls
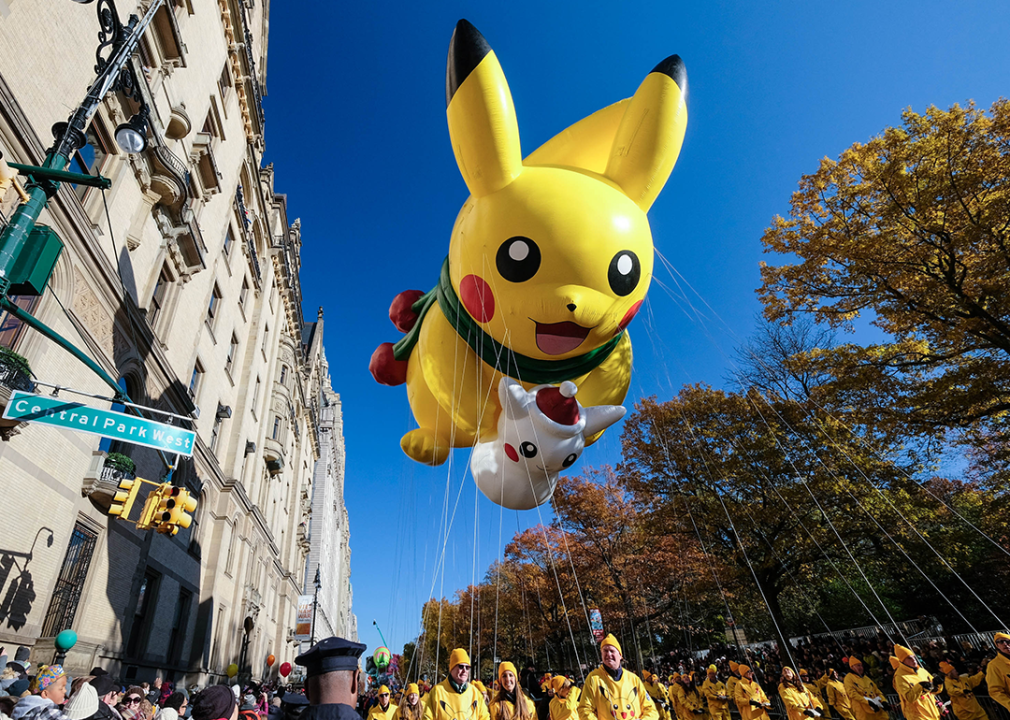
(674, 68)
(466, 49)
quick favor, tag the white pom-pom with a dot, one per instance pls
(568, 389)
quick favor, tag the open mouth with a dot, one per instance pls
(559, 338)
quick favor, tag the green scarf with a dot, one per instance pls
(506, 361)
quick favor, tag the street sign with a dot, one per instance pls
(49, 410)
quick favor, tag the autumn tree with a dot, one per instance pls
(910, 231)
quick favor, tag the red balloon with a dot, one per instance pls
(285, 669)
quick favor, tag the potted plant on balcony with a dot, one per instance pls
(15, 374)
(119, 466)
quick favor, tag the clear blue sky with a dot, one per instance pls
(356, 129)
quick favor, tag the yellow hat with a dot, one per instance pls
(946, 667)
(673, 678)
(458, 656)
(383, 690)
(901, 652)
(713, 668)
(506, 667)
(479, 685)
(743, 669)
(1000, 636)
(853, 661)
(895, 662)
(734, 666)
(412, 688)
(611, 640)
(802, 672)
(558, 682)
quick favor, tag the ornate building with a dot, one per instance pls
(181, 280)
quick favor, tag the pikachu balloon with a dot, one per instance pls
(549, 259)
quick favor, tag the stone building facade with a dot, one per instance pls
(182, 281)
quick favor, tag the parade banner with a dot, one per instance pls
(596, 624)
(303, 618)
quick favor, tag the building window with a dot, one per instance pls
(11, 329)
(70, 583)
(232, 351)
(227, 241)
(215, 433)
(212, 306)
(243, 293)
(277, 428)
(158, 297)
(196, 379)
(284, 374)
(266, 340)
(179, 621)
(256, 396)
(143, 614)
(224, 82)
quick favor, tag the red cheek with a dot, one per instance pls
(628, 317)
(511, 452)
(477, 298)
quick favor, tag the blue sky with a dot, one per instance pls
(356, 129)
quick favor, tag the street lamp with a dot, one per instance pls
(131, 136)
(315, 602)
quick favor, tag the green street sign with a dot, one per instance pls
(106, 423)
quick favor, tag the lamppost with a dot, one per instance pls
(315, 603)
(44, 181)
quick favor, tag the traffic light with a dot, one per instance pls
(122, 501)
(149, 516)
(173, 510)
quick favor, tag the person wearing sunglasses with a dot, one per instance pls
(997, 673)
(134, 705)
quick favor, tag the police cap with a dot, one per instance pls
(330, 655)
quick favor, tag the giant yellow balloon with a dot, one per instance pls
(549, 259)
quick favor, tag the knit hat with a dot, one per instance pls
(901, 652)
(83, 704)
(895, 662)
(383, 690)
(946, 667)
(248, 702)
(1000, 636)
(412, 688)
(506, 667)
(743, 669)
(46, 676)
(673, 678)
(734, 666)
(713, 668)
(611, 640)
(213, 703)
(17, 688)
(853, 661)
(458, 656)
(558, 682)
(803, 672)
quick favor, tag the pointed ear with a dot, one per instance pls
(600, 417)
(651, 133)
(512, 396)
(482, 120)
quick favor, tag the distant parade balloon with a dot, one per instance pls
(382, 657)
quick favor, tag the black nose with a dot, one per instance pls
(571, 306)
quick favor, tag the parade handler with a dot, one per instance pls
(614, 693)
(455, 698)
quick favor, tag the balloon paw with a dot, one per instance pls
(425, 447)
(385, 368)
(400, 312)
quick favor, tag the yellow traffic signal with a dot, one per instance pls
(149, 516)
(122, 501)
(173, 511)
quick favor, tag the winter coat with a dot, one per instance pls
(626, 698)
(796, 701)
(997, 677)
(565, 708)
(508, 712)
(838, 699)
(858, 689)
(962, 699)
(917, 702)
(747, 690)
(444, 703)
(716, 694)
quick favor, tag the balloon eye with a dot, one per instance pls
(624, 273)
(518, 259)
(569, 461)
(528, 449)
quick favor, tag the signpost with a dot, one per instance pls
(49, 410)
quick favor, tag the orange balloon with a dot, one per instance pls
(271, 660)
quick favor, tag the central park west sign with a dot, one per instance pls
(48, 410)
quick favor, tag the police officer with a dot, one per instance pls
(331, 679)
